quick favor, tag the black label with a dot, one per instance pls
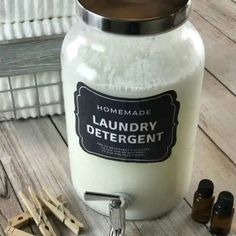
(131, 130)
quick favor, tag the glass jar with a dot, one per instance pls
(132, 77)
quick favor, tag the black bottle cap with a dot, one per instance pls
(225, 203)
(206, 188)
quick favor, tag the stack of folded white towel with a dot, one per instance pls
(26, 10)
(29, 18)
(32, 18)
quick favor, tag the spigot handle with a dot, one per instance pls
(117, 206)
(92, 196)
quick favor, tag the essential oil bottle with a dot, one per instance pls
(203, 201)
(223, 213)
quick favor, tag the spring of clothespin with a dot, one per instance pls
(11, 231)
(36, 211)
(59, 210)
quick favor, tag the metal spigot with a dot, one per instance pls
(118, 205)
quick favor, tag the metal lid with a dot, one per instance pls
(134, 17)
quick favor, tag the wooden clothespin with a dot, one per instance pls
(20, 220)
(36, 211)
(11, 231)
(24, 218)
(62, 213)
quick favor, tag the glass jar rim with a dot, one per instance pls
(164, 20)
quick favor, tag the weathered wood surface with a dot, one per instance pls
(9, 205)
(36, 139)
(41, 144)
(220, 52)
(29, 56)
(221, 14)
(36, 142)
(218, 115)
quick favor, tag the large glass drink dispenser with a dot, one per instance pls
(132, 77)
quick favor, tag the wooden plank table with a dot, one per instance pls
(34, 152)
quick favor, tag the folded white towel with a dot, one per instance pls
(47, 97)
(35, 28)
(32, 18)
(12, 11)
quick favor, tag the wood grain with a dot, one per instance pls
(29, 56)
(9, 205)
(3, 183)
(220, 52)
(218, 115)
(221, 14)
(180, 218)
(210, 162)
(1, 230)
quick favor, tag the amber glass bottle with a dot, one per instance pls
(223, 213)
(203, 201)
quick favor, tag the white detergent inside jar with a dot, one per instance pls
(135, 67)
